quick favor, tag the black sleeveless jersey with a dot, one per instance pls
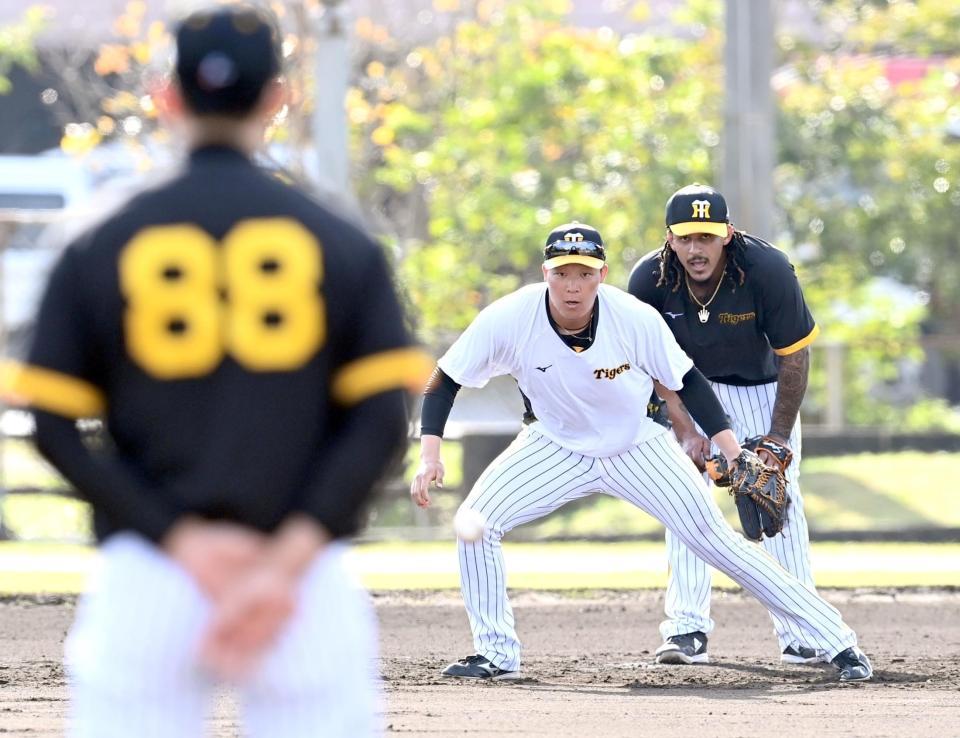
(223, 324)
(749, 325)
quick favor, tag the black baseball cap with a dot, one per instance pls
(574, 243)
(226, 54)
(697, 208)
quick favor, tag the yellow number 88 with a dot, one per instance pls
(178, 326)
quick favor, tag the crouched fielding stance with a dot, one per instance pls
(585, 355)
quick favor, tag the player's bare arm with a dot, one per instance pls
(438, 397)
(728, 444)
(694, 444)
(792, 377)
(430, 470)
(295, 544)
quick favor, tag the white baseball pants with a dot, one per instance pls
(688, 583)
(131, 655)
(535, 476)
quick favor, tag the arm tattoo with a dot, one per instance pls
(791, 386)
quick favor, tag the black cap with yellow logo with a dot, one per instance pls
(574, 243)
(697, 208)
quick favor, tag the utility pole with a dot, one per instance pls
(749, 130)
(331, 173)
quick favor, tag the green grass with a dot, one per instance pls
(45, 568)
(47, 517)
(22, 466)
(881, 491)
(862, 492)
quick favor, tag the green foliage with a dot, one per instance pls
(473, 146)
(515, 123)
(869, 184)
(930, 414)
(879, 331)
(469, 147)
(17, 43)
(869, 176)
(925, 27)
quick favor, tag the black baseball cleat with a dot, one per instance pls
(478, 667)
(853, 664)
(689, 648)
(802, 655)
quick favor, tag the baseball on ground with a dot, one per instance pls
(469, 524)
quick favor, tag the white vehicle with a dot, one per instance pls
(35, 191)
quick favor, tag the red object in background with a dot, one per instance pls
(905, 69)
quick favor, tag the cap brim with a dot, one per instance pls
(590, 261)
(687, 229)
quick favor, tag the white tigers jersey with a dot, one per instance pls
(592, 402)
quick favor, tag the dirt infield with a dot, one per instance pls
(589, 670)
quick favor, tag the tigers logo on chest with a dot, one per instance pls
(611, 373)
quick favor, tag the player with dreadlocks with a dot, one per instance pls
(673, 275)
(735, 306)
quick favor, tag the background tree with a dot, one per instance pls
(471, 147)
(869, 174)
(471, 138)
(17, 43)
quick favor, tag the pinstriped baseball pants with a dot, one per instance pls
(535, 476)
(131, 655)
(688, 583)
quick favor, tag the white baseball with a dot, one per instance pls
(469, 524)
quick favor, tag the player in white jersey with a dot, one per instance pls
(749, 337)
(585, 356)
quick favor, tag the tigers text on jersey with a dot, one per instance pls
(592, 402)
(748, 326)
(224, 324)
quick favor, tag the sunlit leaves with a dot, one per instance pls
(521, 122)
(112, 59)
(16, 42)
(923, 27)
(81, 138)
(867, 184)
(868, 131)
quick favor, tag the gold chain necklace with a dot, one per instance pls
(703, 313)
(568, 332)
